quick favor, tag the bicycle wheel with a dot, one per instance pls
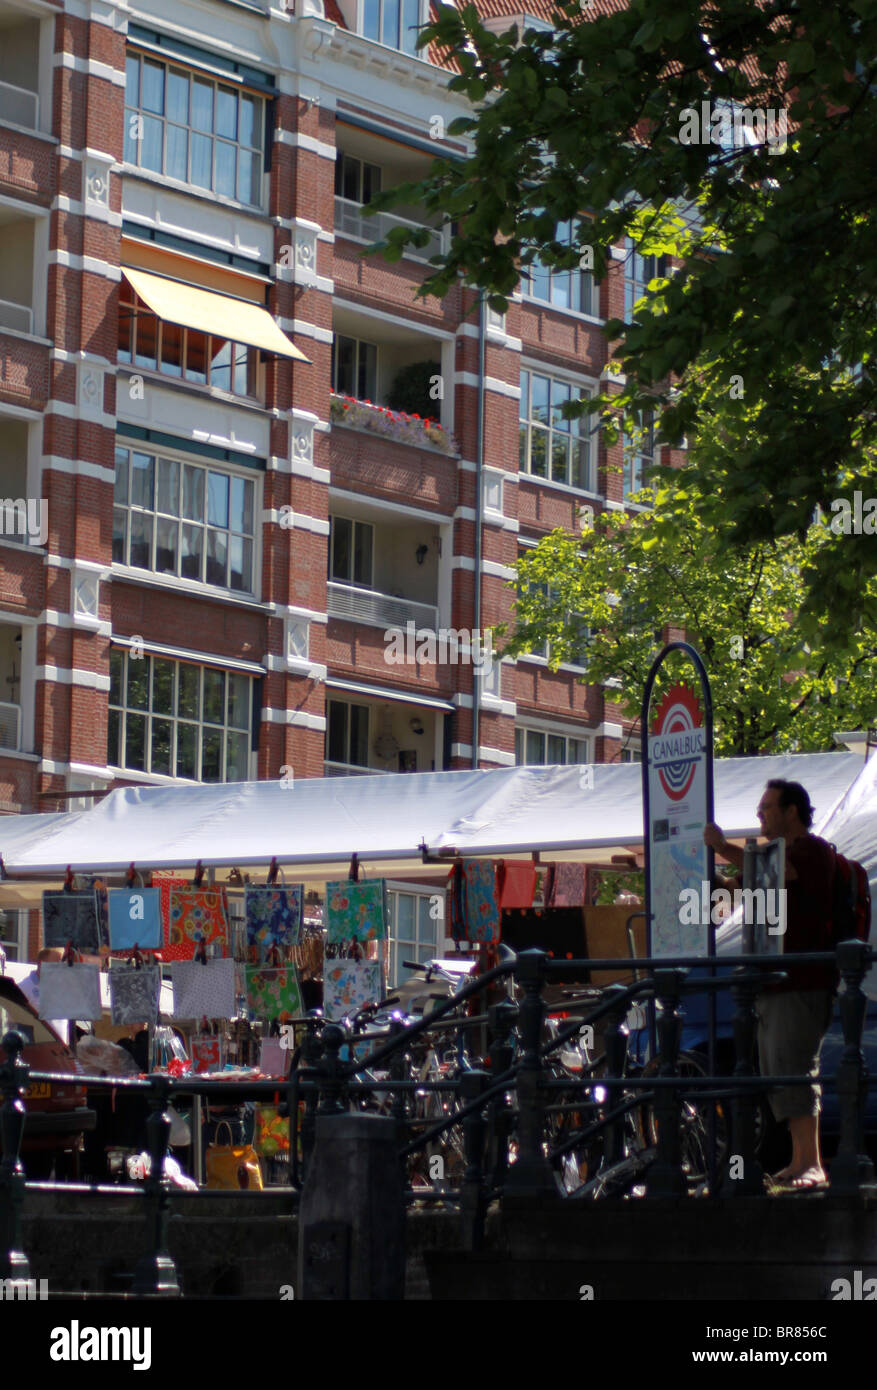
(693, 1130)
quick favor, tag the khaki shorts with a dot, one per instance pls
(791, 1027)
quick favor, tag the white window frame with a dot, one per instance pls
(639, 271)
(342, 160)
(547, 731)
(564, 234)
(346, 763)
(134, 147)
(580, 429)
(175, 719)
(351, 579)
(399, 947)
(208, 466)
(359, 343)
(544, 656)
(14, 946)
(402, 27)
(637, 458)
(241, 354)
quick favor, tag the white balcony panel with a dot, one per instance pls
(351, 221)
(384, 610)
(18, 106)
(18, 317)
(10, 727)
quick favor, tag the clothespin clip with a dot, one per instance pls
(273, 956)
(69, 953)
(354, 868)
(3, 873)
(201, 952)
(199, 874)
(131, 875)
(272, 871)
(68, 880)
(136, 957)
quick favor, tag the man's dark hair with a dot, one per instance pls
(793, 794)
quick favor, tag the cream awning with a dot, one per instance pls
(210, 312)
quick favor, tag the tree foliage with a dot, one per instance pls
(630, 577)
(775, 293)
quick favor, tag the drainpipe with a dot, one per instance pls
(479, 465)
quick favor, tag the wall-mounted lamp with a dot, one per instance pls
(415, 725)
(420, 553)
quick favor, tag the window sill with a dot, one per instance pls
(191, 190)
(532, 478)
(558, 309)
(564, 665)
(175, 383)
(157, 779)
(189, 587)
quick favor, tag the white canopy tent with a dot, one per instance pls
(314, 825)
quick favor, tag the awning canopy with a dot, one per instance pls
(210, 312)
(314, 825)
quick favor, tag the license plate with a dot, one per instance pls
(40, 1090)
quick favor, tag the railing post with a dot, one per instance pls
(851, 1166)
(741, 1140)
(531, 1173)
(332, 1083)
(156, 1273)
(502, 1020)
(399, 1072)
(14, 1073)
(311, 1056)
(665, 1177)
(615, 1046)
(473, 1084)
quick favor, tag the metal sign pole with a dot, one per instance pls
(707, 709)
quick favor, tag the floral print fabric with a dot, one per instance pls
(206, 1052)
(134, 994)
(274, 915)
(569, 886)
(482, 907)
(356, 911)
(348, 984)
(273, 992)
(196, 914)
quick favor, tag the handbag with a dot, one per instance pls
(232, 1167)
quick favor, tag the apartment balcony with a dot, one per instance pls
(369, 733)
(380, 610)
(351, 221)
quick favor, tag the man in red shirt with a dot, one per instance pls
(793, 1016)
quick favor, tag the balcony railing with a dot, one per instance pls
(384, 610)
(10, 727)
(348, 770)
(18, 317)
(19, 106)
(351, 221)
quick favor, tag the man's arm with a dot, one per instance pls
(714, 837)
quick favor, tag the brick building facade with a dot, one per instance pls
(199, 578)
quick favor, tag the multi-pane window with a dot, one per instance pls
(205, 359)
(638, 271)
(13, 934)
(178, 719)
(184, 519)
(550, 445)
(639, 454)
(535, 746)
(564, 289)
(351, 551)
(393, 23)
(414, 930)
(354, 368)
(347, 734)
(630, 754)
(355, 179)
(184, 125)
(576, 627)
